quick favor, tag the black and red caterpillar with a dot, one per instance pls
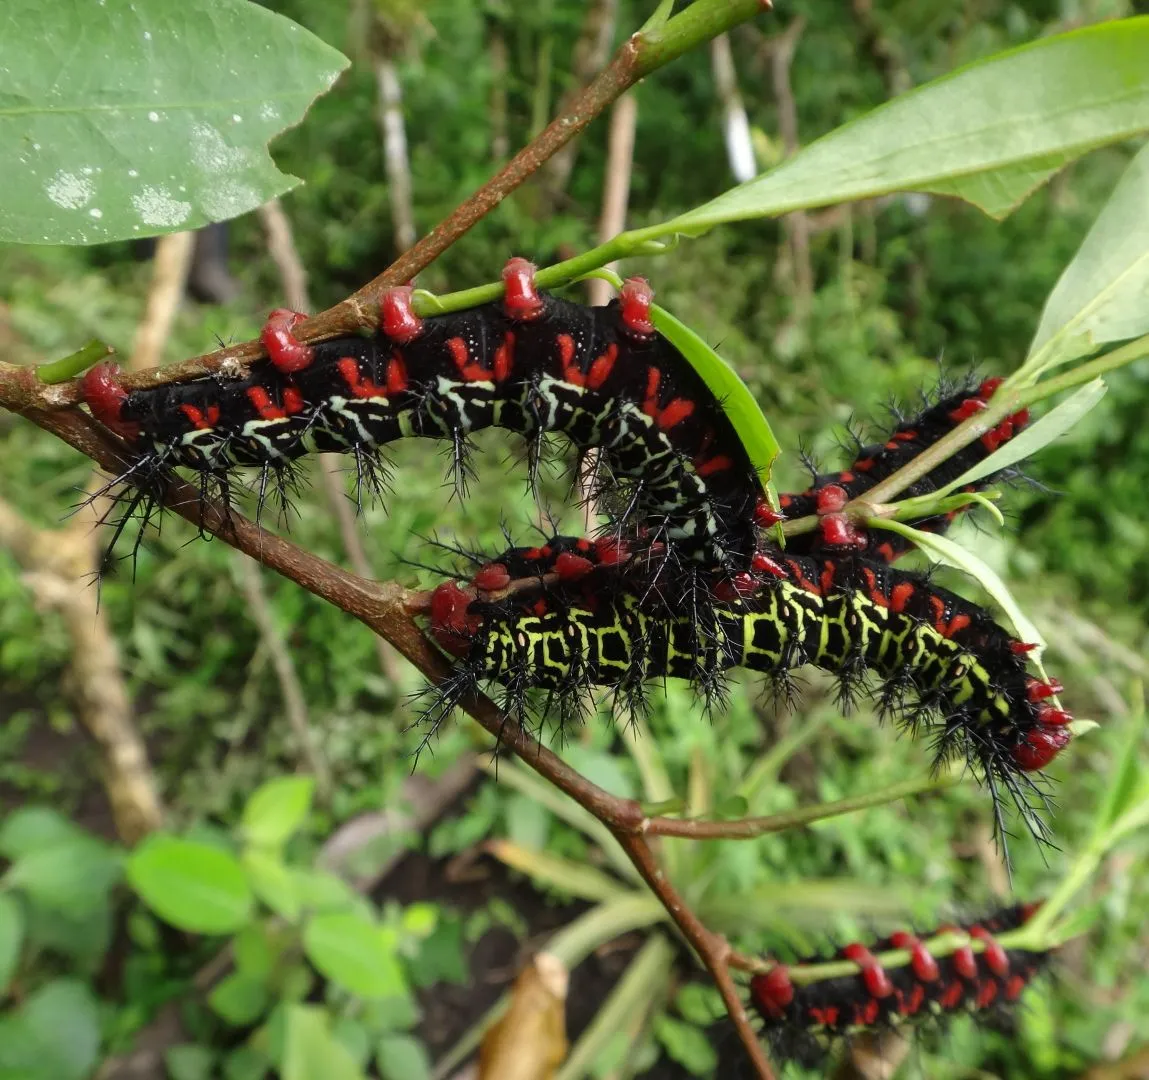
(530, 363)
(898, 980)
(584, 613)
(829, 492)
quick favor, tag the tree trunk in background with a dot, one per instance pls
(591, 52)
(735, 124)
(395, 160)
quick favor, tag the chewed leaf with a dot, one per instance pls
(131, 118)
(1036, 437)
(940, 550)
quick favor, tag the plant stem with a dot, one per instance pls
(748, 828)
(70, 366)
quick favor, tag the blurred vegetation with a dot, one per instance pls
(903, 290)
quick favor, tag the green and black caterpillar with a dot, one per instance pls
(532, 364)
(900, 980)
(592, 615)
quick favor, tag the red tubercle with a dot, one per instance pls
(1036, 690)
(994, 955)
(634, 300)
(492, 577)
(839, 531)
(610, 551)
(923, 964)
(104, 395)
(969, 407)
(284, 350)
(451, 626)
(989, 387)
(1051, 716)
(874, 977)
(774, 991)
(763, 564)
(521, 301)
(1022, 648)
(571, 567)
(965, 963)
(735, 587)
(397, 318)
(765, 515)
(831, 498)
(1037, 748)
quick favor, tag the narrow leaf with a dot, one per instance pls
(1103, 294)
(737, 402)
(129, 118)
(1020, 114)
(940, 550)
(576, 878)
(1050, 427)
(193, 886)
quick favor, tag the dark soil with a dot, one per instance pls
(449, 1011)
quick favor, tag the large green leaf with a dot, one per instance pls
(311, 1052)
(989, 133)
(128, 118)
(67, 876)
(193, 886)
(1103, 294)
(55, 1034)
(352, 951)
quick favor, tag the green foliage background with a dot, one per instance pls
(903, 289)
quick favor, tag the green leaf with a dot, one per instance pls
(400, 1057)
(1077, 923)
(737, 402)
(420, 919)
(273, 882)
(353, 952)
(686, 1044)
(11, 938)
(239, 999)
(130, 118)
(1051, 426)
(192, 886)
(65, 876)
(54, 1036)
(311, 1052)
(277, 809)
(246, 1063)
(940, 550)
(1101, 295)
(1127, 782)
(254, 955)
(27, 831)
(189, 1061)
(988, 133)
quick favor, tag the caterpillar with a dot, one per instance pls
(829, 492)
(589, 617)
(530, 363)
(898, 980)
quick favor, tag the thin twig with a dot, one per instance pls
(294, 702)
